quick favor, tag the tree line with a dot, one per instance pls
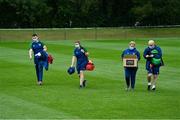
(87, 13)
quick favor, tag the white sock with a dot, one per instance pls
(153, 86)
(81, 81)
(149, 83)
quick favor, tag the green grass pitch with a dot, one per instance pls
(105, 96)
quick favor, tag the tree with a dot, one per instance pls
(87, 13)
(157, 12)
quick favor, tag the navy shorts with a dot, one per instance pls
(81, 66)
(154, 69)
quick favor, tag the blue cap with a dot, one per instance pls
(71, 70)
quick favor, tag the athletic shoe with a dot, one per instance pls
(84, 83)
(132, 89)
(81, 86)
(149, 87)
(153, 87)
(128, 89)
(39, 82)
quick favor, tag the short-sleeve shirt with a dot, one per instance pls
(81, 57)
(37, 47)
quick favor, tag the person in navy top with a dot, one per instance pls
(40, 57)
(153, 56)
(81, 58)
(130, 72)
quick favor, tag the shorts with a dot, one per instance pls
(153, 70)
(81, 66)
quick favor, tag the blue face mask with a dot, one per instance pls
(131, 48)
(151, 46)
(35, 40)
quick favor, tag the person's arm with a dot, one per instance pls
(159, 55)
(30, 53)
(146, 54)
(85, 51)
(45, 48)
(73, 61)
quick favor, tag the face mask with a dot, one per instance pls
(77, 45)
(151, 46)
(131, 48)
(35, 39)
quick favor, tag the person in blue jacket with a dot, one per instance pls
(81, 58)
(40, 57)
(130, 72)
(153, 56)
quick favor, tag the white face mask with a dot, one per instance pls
(131, 48)
(35, 39)
(151, 46)
(77, 45)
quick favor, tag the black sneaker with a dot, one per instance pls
(149, 87)
(81, 86)
(84, 83)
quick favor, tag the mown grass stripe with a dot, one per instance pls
(26, 109)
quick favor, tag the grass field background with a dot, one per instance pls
(105, 95)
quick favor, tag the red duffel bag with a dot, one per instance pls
(90, 66)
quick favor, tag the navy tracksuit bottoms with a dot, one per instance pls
(130, 76)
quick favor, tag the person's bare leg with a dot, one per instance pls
(149, 80)
(81, 78)
(154, 82)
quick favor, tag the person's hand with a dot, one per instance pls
(86, 53)
(152, 55)
(147, 56)
(90, 61)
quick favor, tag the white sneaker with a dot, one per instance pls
(39, 82)
(153, 87)
(128, 89)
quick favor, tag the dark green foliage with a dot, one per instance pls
(87, 13)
